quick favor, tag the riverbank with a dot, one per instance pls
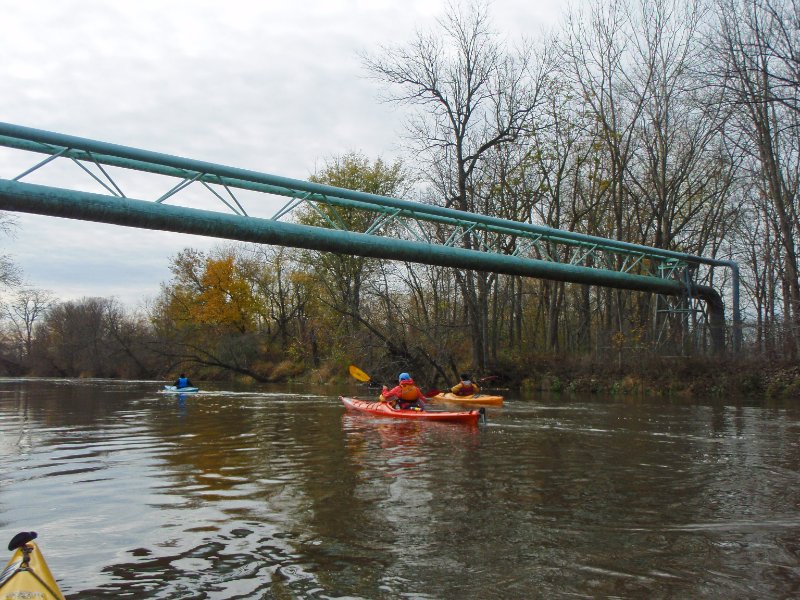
(661, 377)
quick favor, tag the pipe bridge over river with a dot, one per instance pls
(399, 229)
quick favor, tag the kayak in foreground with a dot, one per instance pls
(471, 399)
(26, 575)
(171, 389)
(384, 409)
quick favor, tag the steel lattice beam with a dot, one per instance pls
(437, 231)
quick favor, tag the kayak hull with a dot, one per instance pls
(171, 389)
(471, 399)
(384, 409)
(35, 581)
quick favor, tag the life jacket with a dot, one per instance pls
(408, 391)
(183, 382)
(466, 389)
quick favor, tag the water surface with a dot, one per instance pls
(278, 493)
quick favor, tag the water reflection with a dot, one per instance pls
(280, 493)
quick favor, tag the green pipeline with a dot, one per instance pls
(56, 202)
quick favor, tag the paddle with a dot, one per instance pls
(358, 373)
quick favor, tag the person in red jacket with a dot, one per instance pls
(465, 387)
(405, 394)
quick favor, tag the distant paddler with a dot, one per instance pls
(182, 382)
(465, 387)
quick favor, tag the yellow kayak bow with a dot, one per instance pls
(27, 575)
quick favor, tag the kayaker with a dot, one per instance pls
(405, 394)
(183, 381)
(465, 387)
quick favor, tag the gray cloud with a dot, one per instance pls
(271, 86)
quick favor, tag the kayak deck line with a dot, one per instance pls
(384, 409)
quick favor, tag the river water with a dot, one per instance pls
(278, 493)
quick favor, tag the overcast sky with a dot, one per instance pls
(271, 86)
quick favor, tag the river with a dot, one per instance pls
(276, 492)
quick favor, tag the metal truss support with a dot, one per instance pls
(399, 229)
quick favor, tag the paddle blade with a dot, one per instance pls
(432, 393)
(358, 373)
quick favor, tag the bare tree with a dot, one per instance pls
(783, 48)
(26, 308)
(10, 274)
(472, 97)
(598, 61)
(766, 125)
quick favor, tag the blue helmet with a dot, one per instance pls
(404, 377)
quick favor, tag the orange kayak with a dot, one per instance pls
(26, 575)
(471, 399)
(384, 409)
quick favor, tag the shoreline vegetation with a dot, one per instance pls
(659, 378)
(695, 378)
(667, 378)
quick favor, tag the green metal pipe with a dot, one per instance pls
(56, 202)
(44, 200)
(16, 135)
(83, 149)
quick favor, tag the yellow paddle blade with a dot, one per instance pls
(358, 373)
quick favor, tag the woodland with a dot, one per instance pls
(666, 123)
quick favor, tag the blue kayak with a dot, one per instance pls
(171, 389)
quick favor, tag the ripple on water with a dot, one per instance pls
(253, 495)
